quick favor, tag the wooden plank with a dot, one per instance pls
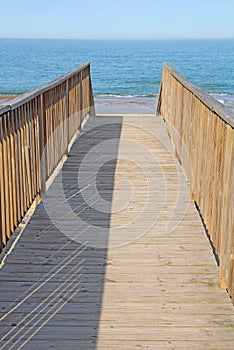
(9, 178)
(27, 158)
(125, 344)
(14, 172)
(42, 144)
(2, 191)
(135, 334)
(81, 97)
(5, 175)
(157, 290)
(18, 166)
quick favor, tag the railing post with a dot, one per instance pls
(42, 148)
(81, 98)
(91, 97)
(1, 238)
(158, 108)
(67, 114)
(88, 93)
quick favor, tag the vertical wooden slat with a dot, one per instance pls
(2, 188)
(42, 148)
(27, 156)
(81, 97)
(32, 148)
(91, 97)
(5, 176)
(38, 112)
(17, 164)
(13, 172)
(10, 170)
(226, 249)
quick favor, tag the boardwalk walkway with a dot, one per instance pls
(116, 256)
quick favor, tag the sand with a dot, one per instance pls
(139, 105)
(5, 98)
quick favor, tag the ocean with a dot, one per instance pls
(129, 69)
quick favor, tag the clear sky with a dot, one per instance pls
(117, 19)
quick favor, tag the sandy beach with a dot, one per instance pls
(5, 98)
(115, 105)
(140, 105)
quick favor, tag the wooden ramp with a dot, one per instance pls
(116, 256)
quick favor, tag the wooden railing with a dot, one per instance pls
(35, 131)
(202, 132)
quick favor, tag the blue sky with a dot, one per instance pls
(117, 19)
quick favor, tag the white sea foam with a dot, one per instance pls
(125, 96)
(218, 94)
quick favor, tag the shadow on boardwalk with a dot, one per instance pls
(52, 286)
(116, 256)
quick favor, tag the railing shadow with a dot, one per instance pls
(54, 299)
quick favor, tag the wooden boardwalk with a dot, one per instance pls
(115, 256)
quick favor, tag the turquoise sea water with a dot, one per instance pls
(119, 68)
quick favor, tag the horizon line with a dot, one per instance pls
(115, 39)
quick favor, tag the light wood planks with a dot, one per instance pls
(122, 282)
(202, 131)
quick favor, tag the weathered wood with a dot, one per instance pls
(158, 290)
(202, 130)
(42, 148)
(35, 134)
(212, 104)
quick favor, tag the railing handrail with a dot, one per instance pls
(23, 98)
(214, 105)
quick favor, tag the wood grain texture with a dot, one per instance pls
(202, 131)
(120, 283)
(35, 131)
